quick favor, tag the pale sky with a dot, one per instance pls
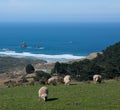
(59, 10)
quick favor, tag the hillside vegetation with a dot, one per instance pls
(10, 63)
(80, 96)
(107, 64)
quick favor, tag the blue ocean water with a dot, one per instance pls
(57, 41)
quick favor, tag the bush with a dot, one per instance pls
(107, 64)
(41, 74)
(29, 69)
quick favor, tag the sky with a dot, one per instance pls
(59, 10)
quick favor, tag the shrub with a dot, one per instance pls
(29, 69)
(41, 74)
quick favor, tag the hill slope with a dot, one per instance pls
(9, 63)
(107, 64)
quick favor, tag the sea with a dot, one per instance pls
(56, 41)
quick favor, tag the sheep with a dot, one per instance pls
(43, 93)
(67, 79)
(53, 80)
(97, 78)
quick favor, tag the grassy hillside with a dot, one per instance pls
(11, 63)
(80, 96)
(107, 64)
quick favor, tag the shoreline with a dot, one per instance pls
(50, 58)
(7, 63)
(39, 65)
(54, 60)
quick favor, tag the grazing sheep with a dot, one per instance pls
(43, 93)
(97, 78)
(67, 79)
(53, 80)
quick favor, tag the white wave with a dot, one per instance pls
(62, 57)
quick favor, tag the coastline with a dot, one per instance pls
(10, 62)
(50, 58)
(15, 73)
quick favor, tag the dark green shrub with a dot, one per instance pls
(29, 69)
(41, 74)
(106, 63)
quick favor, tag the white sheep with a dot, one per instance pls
(67, 79)
(53, 80)
(43, 93)
(97, 78)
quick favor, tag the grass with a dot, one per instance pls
(82, 96)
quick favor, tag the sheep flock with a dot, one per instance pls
(43, 91)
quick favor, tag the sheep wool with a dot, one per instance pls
(43, 93)
(53, 80)
(97, 78)
(67, 79)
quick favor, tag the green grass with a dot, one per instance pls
(82, 96)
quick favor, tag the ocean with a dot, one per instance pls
(56, 41)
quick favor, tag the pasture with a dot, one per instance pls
(80, 96)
